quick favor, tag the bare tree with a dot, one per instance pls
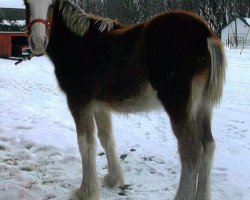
(217, 13)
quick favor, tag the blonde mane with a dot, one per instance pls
(79, 22)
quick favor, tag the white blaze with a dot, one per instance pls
(38, 10)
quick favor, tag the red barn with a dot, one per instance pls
(13, 39)
(11, 43)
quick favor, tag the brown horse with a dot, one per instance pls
(173, 60)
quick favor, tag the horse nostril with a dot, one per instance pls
(32, 44)
(45, 42)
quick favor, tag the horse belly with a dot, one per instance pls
(145, 101)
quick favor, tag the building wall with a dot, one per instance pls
(242, 30)
(6, 43)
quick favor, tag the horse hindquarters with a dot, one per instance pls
(186, 66)
(191, 124)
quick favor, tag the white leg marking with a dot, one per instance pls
(104, 126)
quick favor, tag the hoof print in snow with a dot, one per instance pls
(152, 171)
(53, 154)
(171, 171)
(28, 145)
(25, 128)
(148, 158)
(2, 147)
(29, 185)
(12, 162)
(50, 197)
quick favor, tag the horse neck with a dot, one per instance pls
(59, 26)
(63, 36)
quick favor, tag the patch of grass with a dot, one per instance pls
(123, 156)
(51, 197)
(122, 193)
(27, 169)
(101, 154)
(2, 147)
(124, 189)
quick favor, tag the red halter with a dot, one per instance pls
(46, 23)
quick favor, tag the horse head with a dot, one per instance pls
(38, 18)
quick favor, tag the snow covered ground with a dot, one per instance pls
(39, 158)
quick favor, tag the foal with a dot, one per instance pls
(173, 60)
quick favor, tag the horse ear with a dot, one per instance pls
(56, 2)
(50, 13)
(27, 12)
(50, 16)
(117, 24)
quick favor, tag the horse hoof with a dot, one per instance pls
(112, 181)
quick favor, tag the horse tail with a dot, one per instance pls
(216, 76)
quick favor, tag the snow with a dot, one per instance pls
(11, 4)
(39, 157)
(248, 20)
(18, 22)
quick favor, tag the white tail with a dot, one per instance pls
(216, 71)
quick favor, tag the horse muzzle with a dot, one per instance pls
(38, 45)
(37, 31)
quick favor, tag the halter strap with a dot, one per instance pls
(35, 21)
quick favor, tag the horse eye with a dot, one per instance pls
(53, 2)
(51, 6)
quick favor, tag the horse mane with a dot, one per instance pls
(79, 22)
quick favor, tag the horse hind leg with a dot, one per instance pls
(104, 126)
(211, 95)
(203, 185)
(187, 126)
(190, 151)
(198, 133)
(196, 148)
(203, 114)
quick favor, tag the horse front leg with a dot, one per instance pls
(84, 121)
(105, 134)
